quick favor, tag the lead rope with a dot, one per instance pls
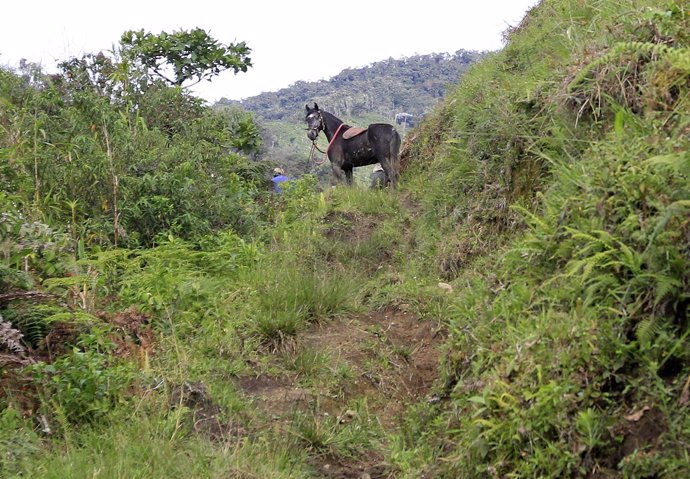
(311, 154)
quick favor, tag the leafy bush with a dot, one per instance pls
(82, 387)
(175, 275)
(123, 160)
(34, 245)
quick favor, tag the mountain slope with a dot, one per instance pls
(411, 85)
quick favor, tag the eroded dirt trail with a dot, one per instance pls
(361, 370)
(393, 355)
(391, 358)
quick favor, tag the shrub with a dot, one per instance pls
(81, 387)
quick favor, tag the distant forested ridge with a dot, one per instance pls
(410, 85)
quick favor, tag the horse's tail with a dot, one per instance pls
(394, 152)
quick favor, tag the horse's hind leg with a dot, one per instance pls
(391, 173)
(391, 166)
(349, 177)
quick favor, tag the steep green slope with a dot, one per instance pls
(558, 171)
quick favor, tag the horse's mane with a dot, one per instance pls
(333, 117)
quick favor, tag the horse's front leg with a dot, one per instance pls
(338, 172)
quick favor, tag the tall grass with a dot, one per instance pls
(151, 447)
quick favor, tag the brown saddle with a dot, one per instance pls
(352, 132)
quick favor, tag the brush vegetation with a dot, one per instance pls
(541, 235)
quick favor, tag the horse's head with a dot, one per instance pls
(314, 121)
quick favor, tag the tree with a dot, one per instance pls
(182, 56)
(120, 157)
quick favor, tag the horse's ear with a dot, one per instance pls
(307, 106)
(316, 107)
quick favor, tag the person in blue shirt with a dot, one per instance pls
(278, 178)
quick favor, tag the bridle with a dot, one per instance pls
(318, 128)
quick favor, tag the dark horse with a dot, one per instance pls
(379, 143)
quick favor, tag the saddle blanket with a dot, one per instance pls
(352, 132)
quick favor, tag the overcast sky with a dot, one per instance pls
(290, 40)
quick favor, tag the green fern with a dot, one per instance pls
(32, 321)
(586, 266)
(647, 329)
(57, 283)
(666, 286)
(679, 58)
(71, 317)
(538, 224)
(679, 162)
(603, 284)
(674, 209)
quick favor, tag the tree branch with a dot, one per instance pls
(5, 298)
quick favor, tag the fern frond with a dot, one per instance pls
(601, 284)
(535, 222)
(675, 208)
(631, 258)
(679, 58)
(665, 286)
(11, 338)
(647, 329)
(585, 267)
(75, 317)
(55, 283)
(581, 235)
(679, 162)
(627, 258)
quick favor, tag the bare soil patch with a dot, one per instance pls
(207, 418)
(394, 357)
(369, 467)
(349, 227)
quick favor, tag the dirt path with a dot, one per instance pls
(391, 358)
(363, 370)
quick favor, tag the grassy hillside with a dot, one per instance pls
(518, 308)
(558, 173)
